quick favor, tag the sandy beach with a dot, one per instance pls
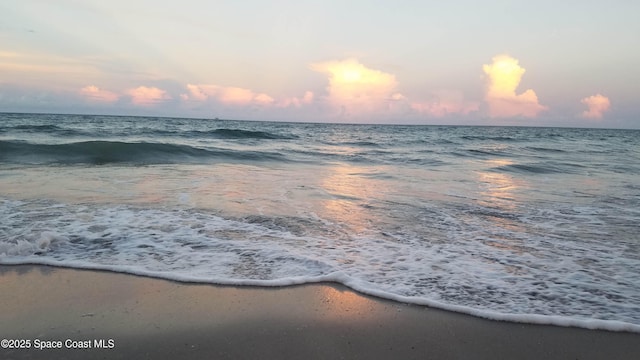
(102, 315)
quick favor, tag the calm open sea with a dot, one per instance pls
(535, 225)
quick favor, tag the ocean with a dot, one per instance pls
(527, 224)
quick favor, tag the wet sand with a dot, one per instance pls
(117, 316)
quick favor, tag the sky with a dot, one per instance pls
(493, 62)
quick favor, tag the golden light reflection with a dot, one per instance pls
(499, 198)
(342, 305)
(349, 196)
(498, 188)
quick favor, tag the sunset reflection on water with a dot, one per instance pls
(500, 204)
(350, 194)
(497, 190)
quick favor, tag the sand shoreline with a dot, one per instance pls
(96, 314)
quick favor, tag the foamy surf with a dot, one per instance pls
(196, 246)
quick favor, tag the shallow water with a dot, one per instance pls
(524, 224)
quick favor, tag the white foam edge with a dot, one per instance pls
(341, 278)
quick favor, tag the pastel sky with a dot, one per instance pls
(494, 62)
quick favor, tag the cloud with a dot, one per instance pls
(226, 94)
(241, 96)
(504, 76)
(597, 105)
(306, 99)
(143, 95)
(237, 96)
(445, 103)
(355, 89)
(94, 93)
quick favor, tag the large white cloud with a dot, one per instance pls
(503, 78)
(355, 90)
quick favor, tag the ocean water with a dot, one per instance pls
(538, 225)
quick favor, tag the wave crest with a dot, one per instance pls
(108, 152)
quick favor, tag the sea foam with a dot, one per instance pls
(197, 246)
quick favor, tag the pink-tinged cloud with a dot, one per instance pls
(145, 96)
(94, 93)
(597, 104)
(237, 96)
(503, 78)
(226, 94)
(355, 89)
(306, 99)
(446, 103)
